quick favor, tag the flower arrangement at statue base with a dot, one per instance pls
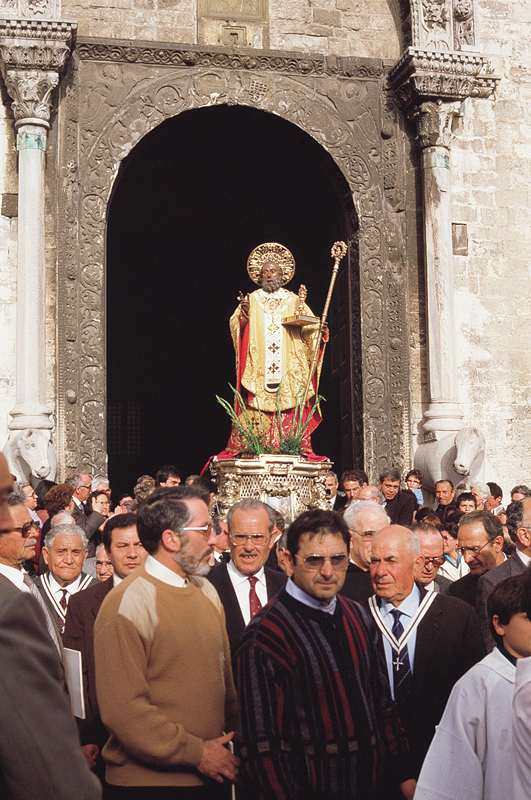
(285, 432)
(269, 457)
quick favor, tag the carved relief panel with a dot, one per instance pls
(116, 94)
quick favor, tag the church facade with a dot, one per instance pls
(421, 109)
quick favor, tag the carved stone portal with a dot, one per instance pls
(117, 94)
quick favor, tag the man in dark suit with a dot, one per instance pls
(40, 754)
(126, 553)
(480, 542)
(64, 553)
(90, 524)
(445, 494)
(399, 503)
(335, 499)
(364, 519)
(244, 584)
(443, 637)
(519, 527)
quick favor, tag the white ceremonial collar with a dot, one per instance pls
(410, 607)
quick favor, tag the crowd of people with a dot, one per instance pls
(375, 649)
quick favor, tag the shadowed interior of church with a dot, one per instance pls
(191, 201)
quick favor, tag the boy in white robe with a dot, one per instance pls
(470, 757)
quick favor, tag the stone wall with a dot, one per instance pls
(491, 175)
(332, 27)
(8, 265)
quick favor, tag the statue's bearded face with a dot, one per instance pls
(271, 278)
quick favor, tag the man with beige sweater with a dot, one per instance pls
(163, 673)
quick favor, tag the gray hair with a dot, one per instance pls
(252, 504)
(333, 475)
(99, 479)
(74, 480)
(68, 530)
(353, 511)
(484, 490)
(17, 496)
(63, 517)
(391, 473)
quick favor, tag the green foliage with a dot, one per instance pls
(256, 439)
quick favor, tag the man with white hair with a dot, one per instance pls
(82, 486)
(482, 493)
(363, 519)
(64, 553)
(429, 640)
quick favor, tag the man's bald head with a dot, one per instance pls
(395, 563)
(371, 493)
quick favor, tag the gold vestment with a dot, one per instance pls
(276, 354)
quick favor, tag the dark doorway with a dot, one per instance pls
(191, 201)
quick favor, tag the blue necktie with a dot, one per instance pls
(401, 668)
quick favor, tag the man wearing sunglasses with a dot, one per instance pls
(316, 713)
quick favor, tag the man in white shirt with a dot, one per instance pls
(244, 583)
(64, 553)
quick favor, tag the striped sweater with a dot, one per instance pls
(317, 720)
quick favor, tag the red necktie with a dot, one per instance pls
(254, 601)
(63, 602)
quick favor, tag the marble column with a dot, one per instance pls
(32, 55)
(434, 127)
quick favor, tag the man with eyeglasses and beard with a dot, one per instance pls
(163, 673)
(317, 719)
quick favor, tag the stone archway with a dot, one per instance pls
(116, 94)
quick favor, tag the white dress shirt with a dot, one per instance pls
(57, 590)
(242, 587)
(16, 576)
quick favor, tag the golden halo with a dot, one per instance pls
(271, 252)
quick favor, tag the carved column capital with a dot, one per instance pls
(31, 93)
(32, 55)
(434, 122)
(421, 75)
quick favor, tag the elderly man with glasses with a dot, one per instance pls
(244, 583)
(480, 545)
(317, 719)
